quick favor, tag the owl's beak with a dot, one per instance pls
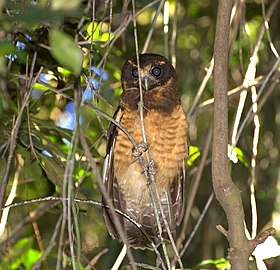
(146, 82)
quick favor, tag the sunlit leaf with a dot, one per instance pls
(194, 153)
(252, 27)
(30, 257)
(39, 86)
(63, 71)
(106, 36)
(65, 51)
(95, 33)
(23, 255)
(235, 154)
(220, 264)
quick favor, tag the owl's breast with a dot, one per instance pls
(167, 136)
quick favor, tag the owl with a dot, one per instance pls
(166, 129)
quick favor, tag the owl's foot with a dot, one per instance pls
(141, 148)
(151, 169)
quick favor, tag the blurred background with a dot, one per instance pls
(60, 69)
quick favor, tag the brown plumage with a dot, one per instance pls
(167, 138)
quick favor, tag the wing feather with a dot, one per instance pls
(109, 179)
(177, 189)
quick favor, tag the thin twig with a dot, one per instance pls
(91, 202)
(67, 192)
(250, 75)
(207, 76)
(266, 21)
(208, 104)
(193, 190)
(120, 258)
(151, 184)
(116, 34)
(12, 194)
(266, 80)
(155, 199)
(33, 215)
(253, 163)
(104, 192)
(95, 259)
(174, 35)
(166, 28)
(152, 28)
(201, 88)
(197, 225)
(51, 245)
(14, 133)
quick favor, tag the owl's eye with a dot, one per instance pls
(156, 71)
(135, 73)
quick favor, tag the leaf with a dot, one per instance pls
(65, 51)
(30, 257)
(24, 138)
(193, 154)
(220, 264)
(6, 47)
(95, 33)
(235, 154)
(29, 16)
(22, 256)
(54, 170)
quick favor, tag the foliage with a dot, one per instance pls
(60, 69)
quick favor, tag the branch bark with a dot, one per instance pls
(225, 190)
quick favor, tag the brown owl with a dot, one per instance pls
(167, 141)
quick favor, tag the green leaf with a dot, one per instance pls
(54, 170)
(30, 257)
(236, 154)
(63, 71)
(95, 33)
(193, 155)
(6, 48)
(23, 255)
(26, 16)
(65, 51)
(220, 264)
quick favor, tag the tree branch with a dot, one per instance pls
(226, 191)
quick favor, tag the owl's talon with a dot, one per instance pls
(141, 148)
(152, 170)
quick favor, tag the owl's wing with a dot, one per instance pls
(133, 234)
(176, 190)
(109, 179)
(177, 197)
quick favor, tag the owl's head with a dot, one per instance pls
(155, 71)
